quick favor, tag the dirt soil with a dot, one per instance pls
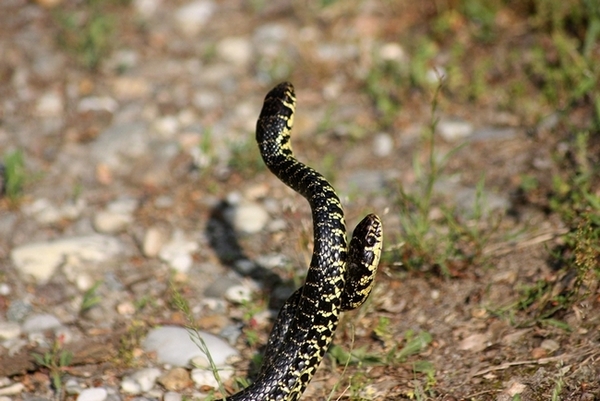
(482, 335)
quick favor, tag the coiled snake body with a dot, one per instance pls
(339, 277)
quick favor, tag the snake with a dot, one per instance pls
(340, 276)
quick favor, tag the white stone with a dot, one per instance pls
(9, 330)
(154, 239)
(191, 17)
(452, 130)
(236, 50)
(146, 8)
(383, 144)
(392, 52)
(172, 396)
(247, 217)
(177, 252)
(146, 378)
(50, 104)
(41, 259)
(97, 103)
(44, 212)
(174, 346)
(41, 322)
(5, 289)
(92, 394)
(116, 216)
(130, 386)
(205, 377)
(13, 389)
(238, 294)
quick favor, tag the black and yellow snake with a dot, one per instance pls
(339, 277)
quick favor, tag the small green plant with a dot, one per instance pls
(14, 175)
(90, 298)
(180, 302)
(245, 158)
(56, 360)
(449, 240)
(89, 32)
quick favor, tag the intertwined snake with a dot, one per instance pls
(339, 277)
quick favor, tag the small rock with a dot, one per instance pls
(44, 212)
(73, 387)
(392, 52)
(205, 377)
(174, 346)
(238, 294)
(41, 322)
(128, 88)
(4, 289)
(130, 386)
(9, 330)
(235, 50)
(383, 144)
(177, 253)
(154, 239)
(550, 345)
(191, 17)
(50, 104)
(92, 394)
(247, 217)
(41, 259)
(146, 8)
(116, 216)
(17, 310)
(474, 343)
(538, 353)
(13, 389)
(452, 130)
(176, 379)
(97, 103)
(140, 381)
(172, 396)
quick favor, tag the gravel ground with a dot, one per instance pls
(144, 185)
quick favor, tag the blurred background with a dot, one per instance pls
(134, 196)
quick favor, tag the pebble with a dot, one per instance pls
(205, 377)
(146, 8)
(9, 330)
(172, 396)
(50, 104)
(190, 18)
(177, 253)
(474, 343)
(44, 212)
(175, 379)
(393, 52)
(40, 322)
(174, 346)
(154, 239)
(238, 294)
(41, 259)
(120, 144)
(116, 217)
(140, 381)
(97, 103)
(247, 217)
(93, 394)
(383, 145)
(13, 389)
(235, 50)
(452, 130)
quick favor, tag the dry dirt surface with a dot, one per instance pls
(135, 123)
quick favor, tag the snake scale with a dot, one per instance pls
(340, 277)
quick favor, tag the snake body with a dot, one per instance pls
(339, 277)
